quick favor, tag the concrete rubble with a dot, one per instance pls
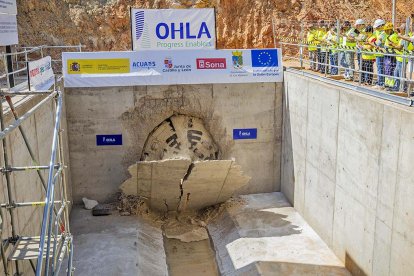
(89, 203)
(182, 185)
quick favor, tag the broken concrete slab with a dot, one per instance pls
(179, 185)
(166, 176)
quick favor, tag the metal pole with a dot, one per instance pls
(3, 254)
(394, 12)
(360, 70)
(404, 65)
(27, 168)
(25, 204)
(62, 254)
(70, 261)
(49, 188)
(61, 158)
(7, 71)
(301, 48)
(338, 40)
(8, 181)
(9, 66)
(3, 257)
(56, 234)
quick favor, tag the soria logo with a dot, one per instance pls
(211, 63)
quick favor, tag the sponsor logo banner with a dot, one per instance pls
(211, 63)
(264, 58)
(41, 76)
(102, 69)
(173, 29)
(98, 66)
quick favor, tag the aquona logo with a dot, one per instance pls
(143, 64)
(181, 31)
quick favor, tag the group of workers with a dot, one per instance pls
(332, 47)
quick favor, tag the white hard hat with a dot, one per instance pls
(360, 22)
(378, 22)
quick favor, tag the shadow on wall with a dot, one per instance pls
(353, 267)
(287, 165)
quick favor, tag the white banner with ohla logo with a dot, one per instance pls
(173, 29)
(41, 76)
(101, 69)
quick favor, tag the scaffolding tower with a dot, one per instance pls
(46, 252)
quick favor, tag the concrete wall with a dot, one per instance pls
(26, 186)
(134, 112)
(347, 168)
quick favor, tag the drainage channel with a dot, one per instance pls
(190, 258)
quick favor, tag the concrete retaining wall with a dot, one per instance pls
(347, 168)
(134, 112)
(26, 186)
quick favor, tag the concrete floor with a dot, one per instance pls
(104, 245)
(115, 245)
(261, 235)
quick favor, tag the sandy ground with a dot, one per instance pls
(194, 258)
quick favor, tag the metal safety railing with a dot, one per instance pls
(14, 65)
(55, 241)
(387, 68)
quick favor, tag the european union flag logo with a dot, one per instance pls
(264, 58)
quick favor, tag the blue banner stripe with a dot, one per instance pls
(139, 23)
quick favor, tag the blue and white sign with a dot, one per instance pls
(245, 134)
(173, 29)
(109, 140)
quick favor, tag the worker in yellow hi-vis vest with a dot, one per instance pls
(405, 47)
(332, 44)
(390, 61)
(378, 44)
(320, 35)
(312, 46)
(349, 42)
(368, 59)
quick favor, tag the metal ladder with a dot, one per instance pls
(46, 252)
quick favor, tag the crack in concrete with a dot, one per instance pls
(182, 205)
(166, 206)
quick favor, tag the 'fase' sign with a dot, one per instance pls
(173, 29)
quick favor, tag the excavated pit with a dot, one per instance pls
(180, 214)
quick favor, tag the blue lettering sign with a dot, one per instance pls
(244, 133)
(109, 140)
(166, 31)
(204, 30)
(180, 30)
(163, 31)
(188, 34)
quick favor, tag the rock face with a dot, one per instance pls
(104, 24)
